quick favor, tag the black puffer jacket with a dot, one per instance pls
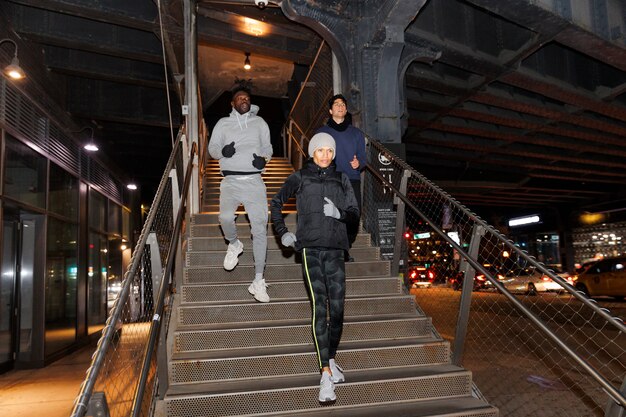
(310, 185)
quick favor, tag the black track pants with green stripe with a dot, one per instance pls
(325, 276)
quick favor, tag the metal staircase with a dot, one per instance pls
(232, 356)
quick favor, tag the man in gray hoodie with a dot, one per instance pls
(241, 143)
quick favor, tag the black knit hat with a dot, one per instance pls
(335, 97)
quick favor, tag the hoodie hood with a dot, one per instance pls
(242, 119)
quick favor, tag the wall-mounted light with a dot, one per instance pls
(90, 146)
(13, 70)
(132, 186)
(246, 63)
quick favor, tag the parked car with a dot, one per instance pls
(480, 281)
(529, 281)
(421, 277)
(605, 277)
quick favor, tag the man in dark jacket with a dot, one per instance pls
(326, 205)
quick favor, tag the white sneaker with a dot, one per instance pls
(258, 289)
(232, 255)
(327, 389)
(337, 375)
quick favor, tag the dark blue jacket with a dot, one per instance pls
(348, 142)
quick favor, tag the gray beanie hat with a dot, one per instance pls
(321, 140)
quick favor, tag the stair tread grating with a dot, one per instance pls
(193, 341)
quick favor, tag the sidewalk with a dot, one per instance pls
(48, 391)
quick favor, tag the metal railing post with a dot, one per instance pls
(613, 409)
(400, 221)
(478, 232)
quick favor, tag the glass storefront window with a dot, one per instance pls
(126, 224)
(115, 213)
(97, 283)
(97, 211)
(25, 174)
(114, 269)
(63, 193)
(60, 289)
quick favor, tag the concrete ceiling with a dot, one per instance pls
(525, 108)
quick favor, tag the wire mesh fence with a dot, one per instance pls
(513, 301)
(117, 363)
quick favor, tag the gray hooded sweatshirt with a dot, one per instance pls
(251, 136)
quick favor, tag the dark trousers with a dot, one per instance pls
(325, 277)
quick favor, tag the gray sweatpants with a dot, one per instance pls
(250, 191)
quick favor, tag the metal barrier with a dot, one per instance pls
(123, 365)
(535, 345)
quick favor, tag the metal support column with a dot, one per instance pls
(191, 106)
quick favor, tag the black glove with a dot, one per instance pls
(258, 162)
(228, 150)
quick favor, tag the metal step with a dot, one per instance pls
(379, 398)
(282, 291)
(219, 371)
(281, 272)
(208, 243)
(293, 312)
(243, 229)
(233, 341)
(212, 218)
(215, 207)
(274, 256)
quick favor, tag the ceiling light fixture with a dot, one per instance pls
(246, 63)
(91, 145)
(13, 70)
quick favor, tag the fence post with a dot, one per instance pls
(98, 406)
(613, 409)
(466, 295)
(400, 221)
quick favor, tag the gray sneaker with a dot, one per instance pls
(327, 389)
(258, 289)
(337, 376)
(232, 255)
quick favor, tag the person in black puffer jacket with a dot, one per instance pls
(326, 206)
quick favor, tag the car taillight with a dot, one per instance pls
(431, 275)
(480, 277)
(413, 274)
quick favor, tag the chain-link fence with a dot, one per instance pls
(113, 378)
(532, 342)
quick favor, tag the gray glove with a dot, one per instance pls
(288, 239)
(330, 210)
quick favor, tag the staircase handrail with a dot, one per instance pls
(86, 390)
(609, 388)
(155, 325)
